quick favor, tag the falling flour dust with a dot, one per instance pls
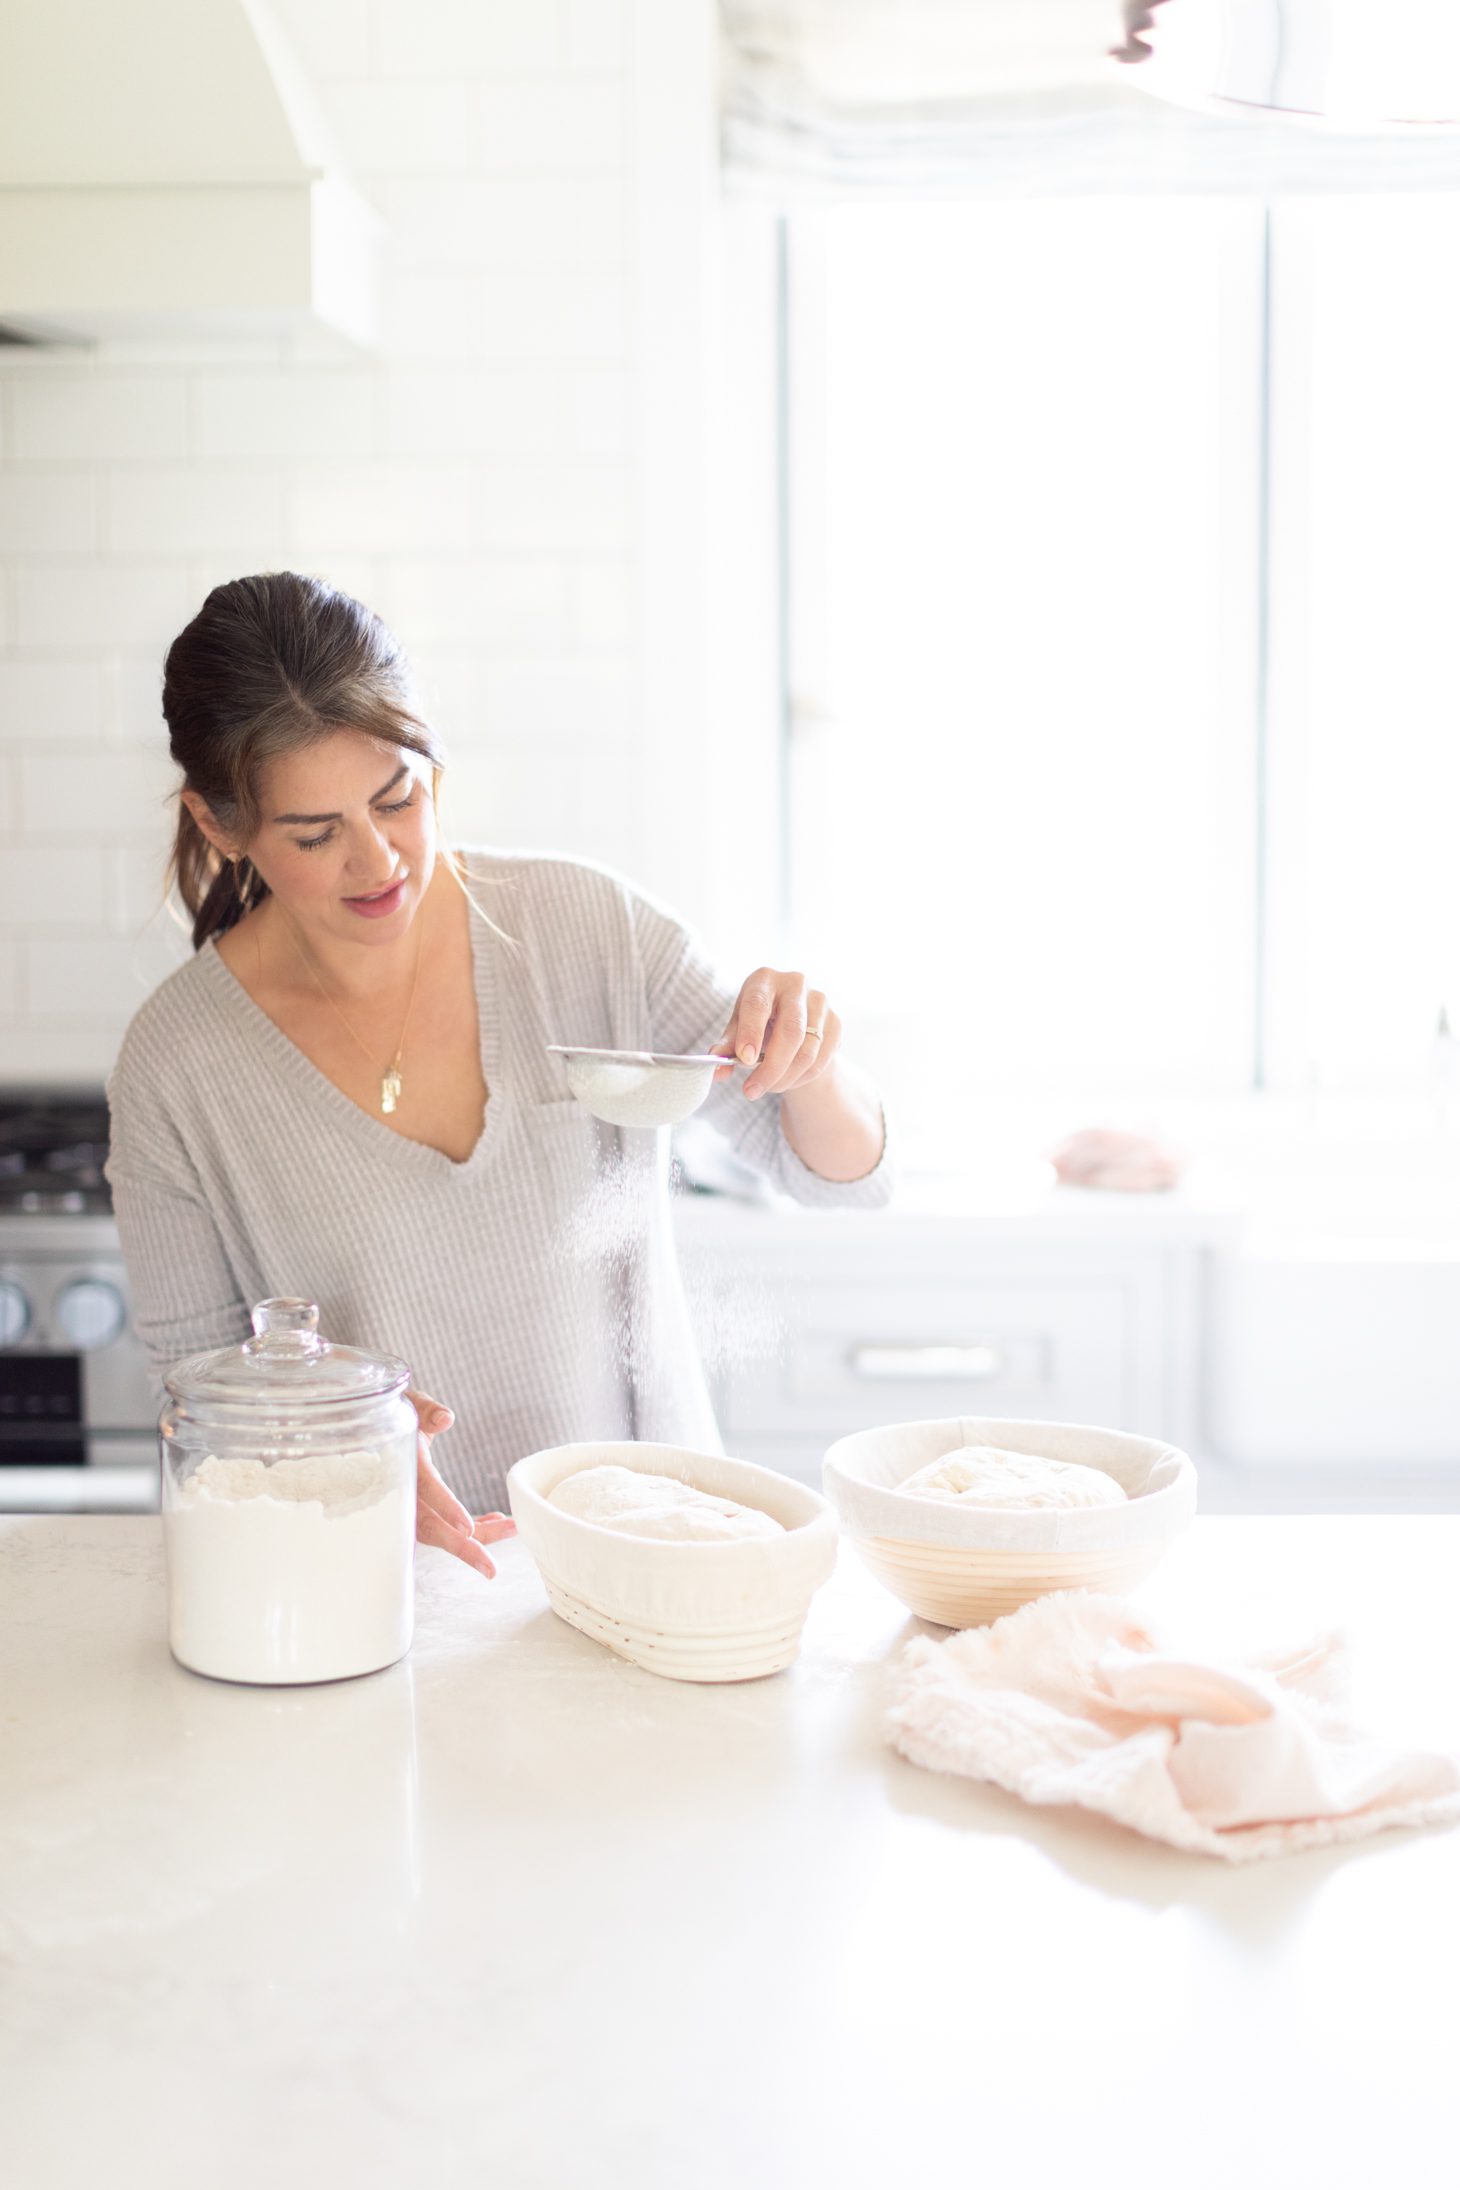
(621, 1232)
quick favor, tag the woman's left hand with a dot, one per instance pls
(441, 1518)
(789, 1027)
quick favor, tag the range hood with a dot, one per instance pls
(164, 171)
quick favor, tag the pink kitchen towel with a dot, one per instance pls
(1075, 1699)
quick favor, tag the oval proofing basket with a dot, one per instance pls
(695, 1612)
(963, 1565)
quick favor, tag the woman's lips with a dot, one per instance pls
(383, 902)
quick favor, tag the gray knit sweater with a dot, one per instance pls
(533, 1288)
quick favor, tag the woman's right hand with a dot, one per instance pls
(441, 1518)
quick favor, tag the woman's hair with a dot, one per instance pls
(270, 664)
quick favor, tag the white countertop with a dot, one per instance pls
(516, 1913)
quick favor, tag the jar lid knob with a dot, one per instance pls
(285, 1328)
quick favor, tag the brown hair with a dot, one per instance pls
(268, 664)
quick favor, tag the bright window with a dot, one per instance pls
(1052, 806)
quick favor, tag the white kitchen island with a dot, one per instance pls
(515, 1913)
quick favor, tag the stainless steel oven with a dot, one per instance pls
(77, 1415)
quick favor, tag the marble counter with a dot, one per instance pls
(517, 1914)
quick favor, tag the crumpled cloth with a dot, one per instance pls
(1121, 1163)
(1075, 1699)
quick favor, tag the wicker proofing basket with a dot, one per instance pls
(962, 1566)
(694, 1612)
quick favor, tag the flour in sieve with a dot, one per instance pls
(299, 1571)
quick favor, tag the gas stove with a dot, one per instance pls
(77, 1412)
(52, 1149)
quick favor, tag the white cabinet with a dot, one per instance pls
(814, 1324)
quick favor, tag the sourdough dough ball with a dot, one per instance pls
(982, 1475)
(657, 1505)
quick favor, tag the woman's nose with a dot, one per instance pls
(371, 851)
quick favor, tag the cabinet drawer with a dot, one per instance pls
(856, 1354)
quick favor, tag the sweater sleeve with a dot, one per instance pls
(185, 1297)
(689, 1008)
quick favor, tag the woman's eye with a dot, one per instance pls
(400, 805)
(313, 843)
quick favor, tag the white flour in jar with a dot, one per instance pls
(296, 1571)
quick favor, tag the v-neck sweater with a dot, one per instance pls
(533, 1288)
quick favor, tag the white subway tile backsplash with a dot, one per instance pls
(135, 888)
(511, 317)
(593, 34)
(47, 513)
(499, 793)
(485, 411)
(84, 606)
(384, 508)
(97, 976)
(53, 886)
(180, 512)
(549, 128)
(584, 703)
(601, 413)
(479, 601)
(456, 38)
(331, 37)
(107, 792)
(548, 507)
(449, 679)
(395, 128)
(470, 481)
(119, 418)
(600, 613)
(521, 224)
(51, 702)
(134, 697)
(301, 416)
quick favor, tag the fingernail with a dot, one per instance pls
(755, 1093)
(748, 1053)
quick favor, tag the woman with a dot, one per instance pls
(347, 1093)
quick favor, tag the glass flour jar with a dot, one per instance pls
(288, 1505)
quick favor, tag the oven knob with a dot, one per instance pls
(90, 1312)
(14, 1313)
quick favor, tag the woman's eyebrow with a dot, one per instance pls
(395, 779)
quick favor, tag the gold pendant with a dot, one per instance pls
(390, 1090)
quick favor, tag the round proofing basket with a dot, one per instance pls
(695, 1612)
(963, 1565)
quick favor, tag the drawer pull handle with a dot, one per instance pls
(963, 1364)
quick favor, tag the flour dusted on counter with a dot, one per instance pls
(982, 1475)
(300, 1570)
(658, 1506)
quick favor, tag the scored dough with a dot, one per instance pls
(657, 1505)
(982, 1475)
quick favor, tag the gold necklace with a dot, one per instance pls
(390, 1082)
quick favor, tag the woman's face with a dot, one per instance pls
(347, 836)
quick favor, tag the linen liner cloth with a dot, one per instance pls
(1158, 1480)
(1075, 1699)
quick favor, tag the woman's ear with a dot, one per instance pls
(202, 814)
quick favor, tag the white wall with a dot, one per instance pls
(516, 481)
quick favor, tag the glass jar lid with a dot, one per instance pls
(286, 1363)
